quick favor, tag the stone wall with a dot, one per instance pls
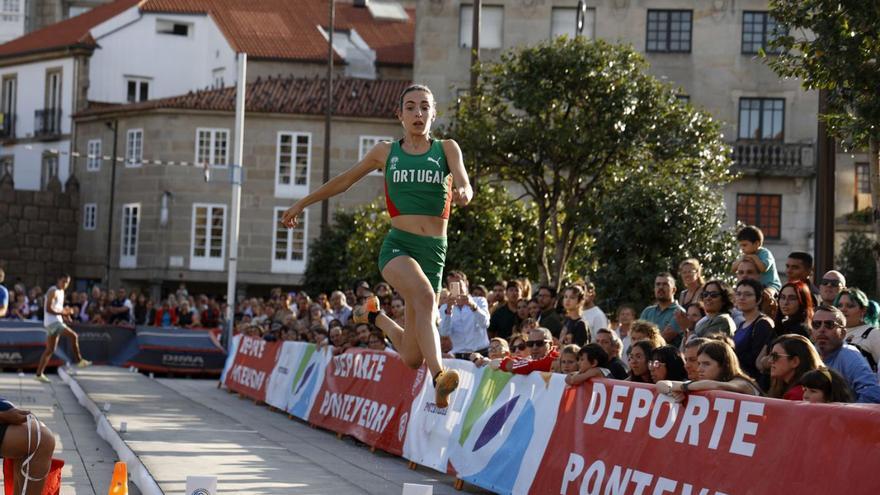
(38, 231)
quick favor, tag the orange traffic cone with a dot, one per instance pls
(119, 482)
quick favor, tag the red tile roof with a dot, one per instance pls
(352, 97)
(264, 29)
(69, 33)
(287, 29)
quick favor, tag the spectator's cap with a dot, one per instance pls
(362, 284)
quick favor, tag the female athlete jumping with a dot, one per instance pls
(422, 177)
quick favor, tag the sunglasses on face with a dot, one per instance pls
(774, 356)
(713, 294)
(519, 347)
(655, 364)
(832, 282)
(829, 324)
(536, 343)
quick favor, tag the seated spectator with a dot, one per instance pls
(828, 333)
(592, 363)
(691, 273)
(832, 283)
(574, 328)
(593, 315)
(362, 330)
(541, 358)
(663, 312)
(790, 357)
(824, 385)
(795, 309)
(717, 302)
(645, 330)
(547, 316)
(756, 330)
(637, 359)
(498, 350)
(718, 370)
(611, 344)
(861, 323)
(568, 359)
(666, 364)
(691, 351)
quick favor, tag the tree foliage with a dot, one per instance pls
(573, 122)
(856, 263)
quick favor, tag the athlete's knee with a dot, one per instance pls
(423, 298)
(414, 362)
(47, 441)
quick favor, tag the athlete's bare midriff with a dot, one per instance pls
(420, 224)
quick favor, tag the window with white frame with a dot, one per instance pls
(130, 226)
(366, 144)
(50, 169)
(491, 26)
(137, 89)
(217, 75)
(10, 10)
(134, 147)
(212, 147)
(289, 246)
(563, 20)
(292, 164)
(93, 162)
(208, 237)
(90, 216)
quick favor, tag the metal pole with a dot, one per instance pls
(237, 165)
(825, 154)
(112, 199)
(325, 205)
(475, 42)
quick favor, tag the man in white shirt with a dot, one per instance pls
(592, 314)
(339, 308)
(53, 321)
(465, 319)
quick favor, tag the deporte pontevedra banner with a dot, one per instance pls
(535, 435)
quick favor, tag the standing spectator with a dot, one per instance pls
(505, 318)
(339, 308)
(691, 352)
(610, 342)
(795, 309)
(756, 330)
(323, 301)
(548, 317)
(791, 356)
(861, 322)
(626, 315)
(717, 301)
(120, 309)
(568, 359)
(593, 315)
(362, 330)
(828, 332)
(522, 309)
(830, 286)
(480, 291)
(799, 267)
(398, 310)
(637, 358)
(691, 273)
(663, 312)
(534, 309)
(574, 328)
(185, 315)
(645, 330)
(166, 316)
(4, 295)
(22, 308)
(465, 319)
(141, 310)
(497, 298)
(751, 244)
(377, 341)
(542, 354)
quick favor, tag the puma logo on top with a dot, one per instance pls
(435, 160)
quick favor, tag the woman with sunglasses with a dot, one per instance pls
(756, 330)
(518, 347)
(790, 357)
(717, 302)
(718, 369)
(861, 322)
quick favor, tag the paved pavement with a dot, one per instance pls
(88, 460)
(180, 427)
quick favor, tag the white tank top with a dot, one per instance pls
(56, 303)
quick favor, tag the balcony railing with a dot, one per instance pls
(774, 158)
(47, 123)
(7, 125)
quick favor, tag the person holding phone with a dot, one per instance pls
(464, 319)
(423, 177)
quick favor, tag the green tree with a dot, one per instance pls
(328, 260)
(571, 122)
(856, 263)
(676, 220)
(835, 46)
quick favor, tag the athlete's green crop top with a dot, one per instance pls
(418, 184)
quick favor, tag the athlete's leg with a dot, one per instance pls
(420, 335)
(51, 344)
(15, 446)
(391, 329)
(74, 342)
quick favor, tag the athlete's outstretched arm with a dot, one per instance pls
(462, 193)
(374, 160)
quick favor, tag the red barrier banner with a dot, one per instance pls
(368, 395)
(614, 437)
(254, 361)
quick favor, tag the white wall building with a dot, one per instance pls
(11, 19)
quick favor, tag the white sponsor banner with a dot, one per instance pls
(308, 376)
(230, 358)
(430, 429)
(281, 379)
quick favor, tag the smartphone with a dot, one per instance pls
(455, 289)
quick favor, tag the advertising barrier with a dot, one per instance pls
(22, 343)
(254, 361)
(177, 350)
(535, 435)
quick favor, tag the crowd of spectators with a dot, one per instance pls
(796, 340)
